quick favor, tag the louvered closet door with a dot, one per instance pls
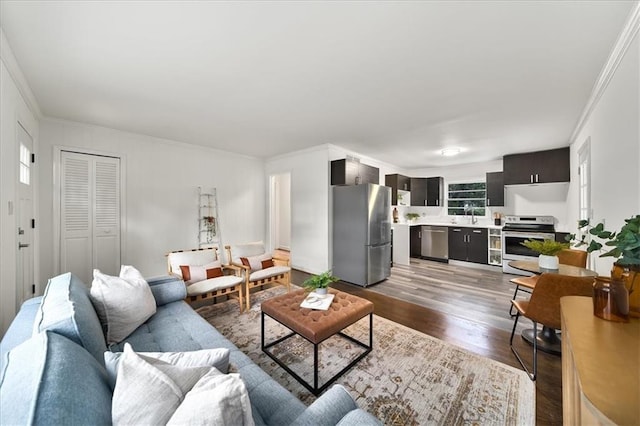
(90, 215)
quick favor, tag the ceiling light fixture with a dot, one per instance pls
(450, 152)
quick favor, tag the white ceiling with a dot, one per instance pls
(397, 81)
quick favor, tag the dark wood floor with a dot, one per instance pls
(477, 337)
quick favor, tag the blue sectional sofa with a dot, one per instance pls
(56, 373)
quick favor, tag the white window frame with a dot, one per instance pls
(472, 181)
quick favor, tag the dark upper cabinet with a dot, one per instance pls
(427, 191)
(537, 167)
(469, 244)
(435, 191)
(495, 189)
(349, 172)
(397, 182)
(418, 191)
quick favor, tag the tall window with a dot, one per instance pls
(584, 180)
(25, 164)
(465, 197)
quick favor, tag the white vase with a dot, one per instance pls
(321, 291)
(548, 262)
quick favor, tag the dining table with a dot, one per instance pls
(548, 340)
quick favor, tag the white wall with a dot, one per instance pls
(13, 110)
(614, 129)
(282, 210)
(309, 171)
(160, 196)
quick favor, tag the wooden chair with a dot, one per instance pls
(544, 307)
(204, 274)
(259, 267)
(566, 257)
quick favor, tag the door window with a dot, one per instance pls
(25, 164)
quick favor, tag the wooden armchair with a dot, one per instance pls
(259, 267)
(204, 274)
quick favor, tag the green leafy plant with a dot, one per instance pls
(547, 247)
(319, 281)
(624, 245)
(412, 216)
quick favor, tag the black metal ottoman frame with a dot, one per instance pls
(315, 389)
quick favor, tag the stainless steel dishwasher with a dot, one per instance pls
(435, 243)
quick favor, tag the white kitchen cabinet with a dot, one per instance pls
(400, 243)
(495, 246)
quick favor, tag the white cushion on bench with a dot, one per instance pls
(268, 272)
(213, 284)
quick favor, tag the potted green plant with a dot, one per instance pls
(411, 216)
(319, 283)
(623, 245)
(547, 250)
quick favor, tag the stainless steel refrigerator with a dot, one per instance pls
(361, 233)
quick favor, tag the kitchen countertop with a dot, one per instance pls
(449, 224)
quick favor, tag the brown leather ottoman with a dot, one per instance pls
(317, 326)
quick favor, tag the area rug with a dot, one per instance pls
(409, 378)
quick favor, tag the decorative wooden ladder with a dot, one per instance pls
(209, 234)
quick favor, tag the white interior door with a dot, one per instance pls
(90, 214)
(280, 195)
(25, 273)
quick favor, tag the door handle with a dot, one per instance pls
(537, 180)
(21, 246)
(477, 231)
(531, 176)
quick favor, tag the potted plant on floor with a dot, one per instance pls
(319, 283)
(547, 250)
(624, 246)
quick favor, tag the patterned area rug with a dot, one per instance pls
(409, 378)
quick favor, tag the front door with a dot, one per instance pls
(25, 267)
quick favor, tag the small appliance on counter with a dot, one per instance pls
(497, 219)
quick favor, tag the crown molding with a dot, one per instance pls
(11, 63)
(629, 31)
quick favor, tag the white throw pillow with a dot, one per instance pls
(164, 393)
(192, 274)
(217, 399)
(150, 394)
(123, 303)
(218, 358)
(257, 263)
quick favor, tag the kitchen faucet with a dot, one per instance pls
(467, 207)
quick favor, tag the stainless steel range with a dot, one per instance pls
(516, 230)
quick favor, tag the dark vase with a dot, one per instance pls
(611, 299)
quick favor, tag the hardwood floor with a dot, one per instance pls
(445, 321)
